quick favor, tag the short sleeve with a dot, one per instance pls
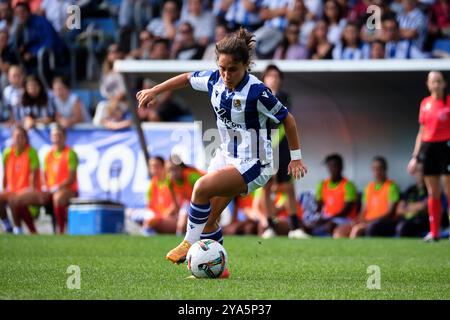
(34, 159)
(199, 80)
(5, 157)
(270, 106)
(73, 160)
(350, 192)
(193, 177)
(394, 193)
(319, 189)
(421, 115)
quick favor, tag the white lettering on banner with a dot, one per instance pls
(88, 157)
(183, 144)
(141, 179)
(125, 155)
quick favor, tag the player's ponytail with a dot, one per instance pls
(240, 45)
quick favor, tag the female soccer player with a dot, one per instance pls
(433, 148)
(243, 105)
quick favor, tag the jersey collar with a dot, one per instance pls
(243, 82)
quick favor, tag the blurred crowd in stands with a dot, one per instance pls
(46, 54)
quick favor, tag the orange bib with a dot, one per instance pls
(160, 197)
(334, 198)
(57, 168)
(18, 171)
(377, 201)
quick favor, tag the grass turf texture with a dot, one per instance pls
(133, 267)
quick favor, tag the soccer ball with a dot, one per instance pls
(206, 259)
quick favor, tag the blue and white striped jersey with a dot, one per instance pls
(242, 115)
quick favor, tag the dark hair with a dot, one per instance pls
(358, 39)
(382, 161)
(63, 79)
(381, 42)
(272, 67)
(340, 12)
(444, 95)
(23, 131)
(41, 100)
(23, 4)
(334, 157)
(239, 44)
(58, 127)
(160, 159)
(285, 42)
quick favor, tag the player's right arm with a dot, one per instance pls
(413, 162)
(148, 96)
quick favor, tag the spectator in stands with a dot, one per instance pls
(350, 47)
(112, 85)
(318, 45)
(56, 12)
(315, 9)
(166, 26)
(118, 116)
(133, 15)
(69, 108)
(336, 199)
(379, 204)
(236, 13)
(244, 218)
(12, 94)
(185, 47)
(300, 16)
(6, 16)
(274, 14)
(33, 33)
(377, 50)
(345, 8)
(220, 33)
(412, 208)
(165, 109)
(181, 181)
(7, 58)
(160, 50)
(34, 5)
(412, 23)
(21, 181)
(395, 47)
(201, 20)
(335, 20)
(162, 216)
(145, 46)
(35, 107)
(60, 172)
(438, 23)
(290, 48)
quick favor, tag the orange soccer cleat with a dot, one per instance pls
(178, 254)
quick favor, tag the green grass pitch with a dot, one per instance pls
(133, 267)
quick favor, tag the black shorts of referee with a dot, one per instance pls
(435, 157)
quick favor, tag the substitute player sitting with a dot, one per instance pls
(21, 180)
(243, 106)
(60, 172)
(182, 179)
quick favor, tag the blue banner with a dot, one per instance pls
(111, 163)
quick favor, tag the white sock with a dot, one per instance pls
(198, 216)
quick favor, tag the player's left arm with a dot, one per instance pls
(296, 167)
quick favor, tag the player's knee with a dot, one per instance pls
(202, 189)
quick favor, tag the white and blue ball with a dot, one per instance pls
(207, 258)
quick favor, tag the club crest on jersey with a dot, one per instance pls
(237, 104)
